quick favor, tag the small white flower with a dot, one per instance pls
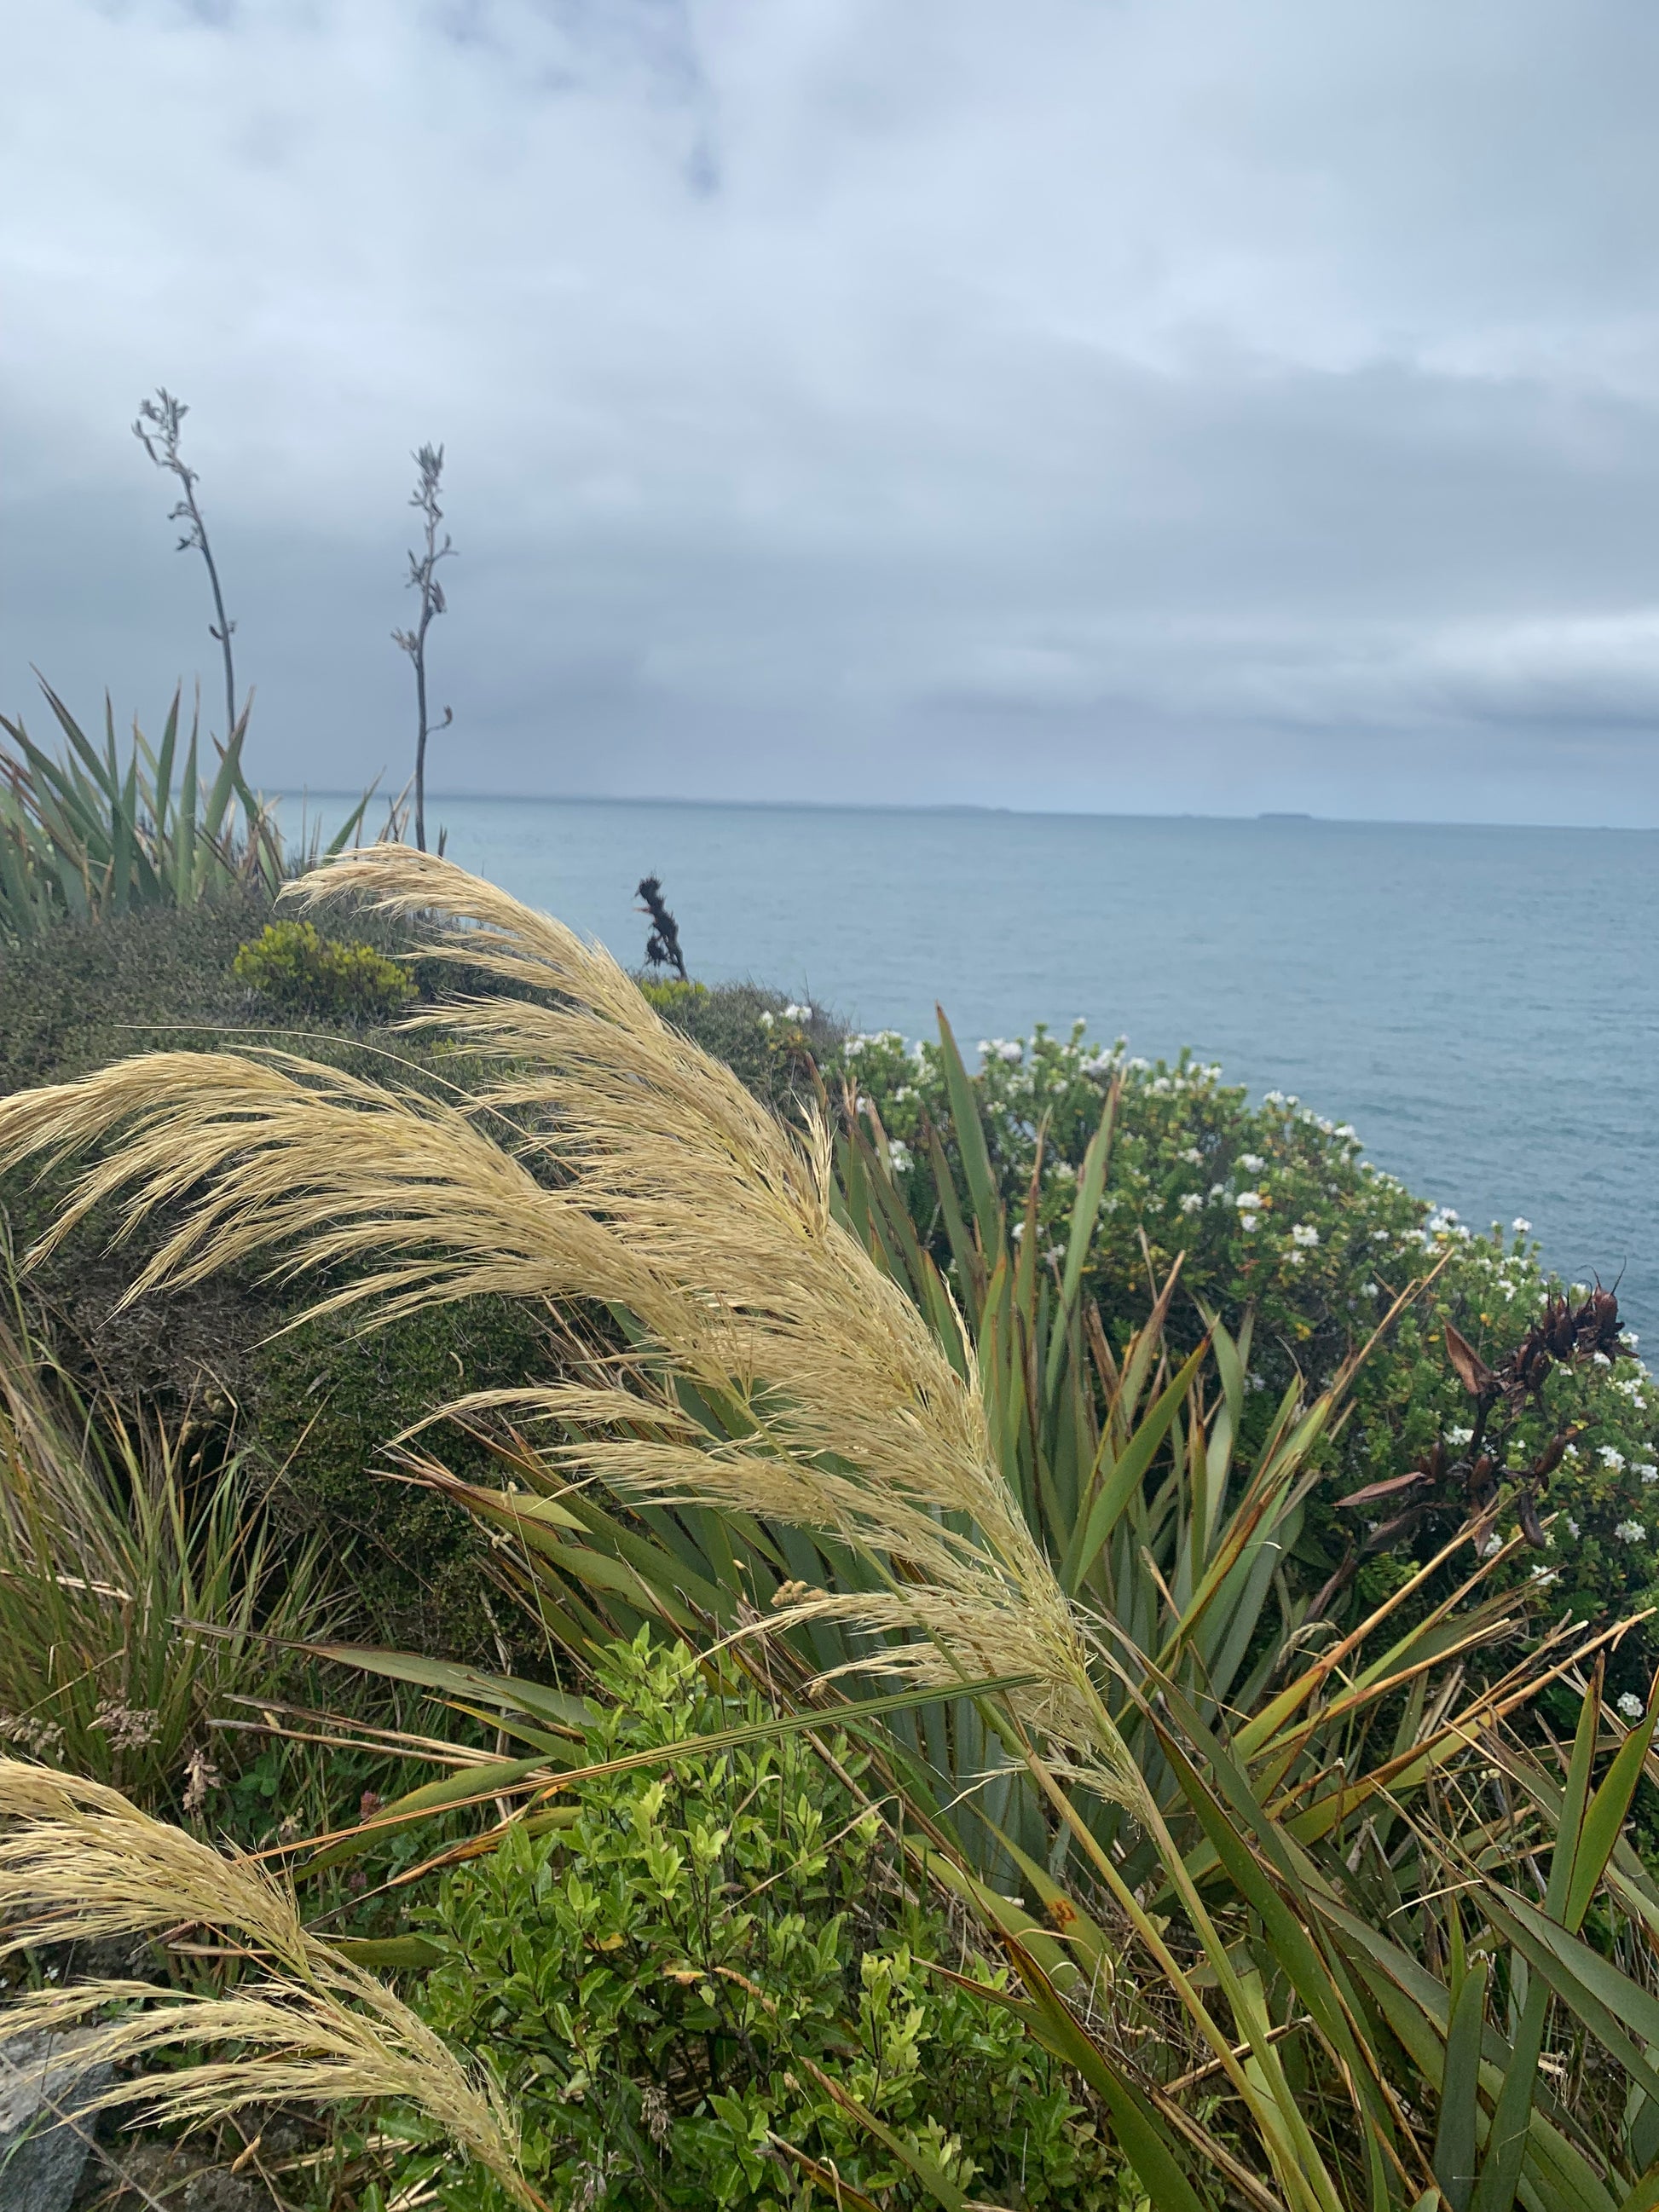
(1573, 1529)
(1305, 1234)
(1632, 1706)
(1013, 1053)
(1370, 1290)
(1252, 1162)
(1101, 1064)
(1601, 1359)
(1063, 1171)
(1648, 1471)
(1631, 1532)
(898, 1154)
(1522, 1223)
(1248, 1221)
(1273, 1098)
(766, 1019)
(1459, 1436)
(1490, 1544)
(1018, 1231)
(1544, 1575)
(1257, 1382)
(1192, 1156)
(1611, 1458)
(1347, 1129)
(1381, 1236)
(1192, 1203)
(1249, 1202)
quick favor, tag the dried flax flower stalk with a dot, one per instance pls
(605, 1156)
(78, 1860)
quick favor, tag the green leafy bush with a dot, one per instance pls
(298, 968)
(1273, 1210)
(665, 1978)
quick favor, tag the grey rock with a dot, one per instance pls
(41, 2156)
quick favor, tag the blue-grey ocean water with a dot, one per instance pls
(1482, 1003)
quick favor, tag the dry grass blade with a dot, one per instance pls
(78, 1860)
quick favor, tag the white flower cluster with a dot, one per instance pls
(1632, 1706)
(1305, 1234)
(1611, 1458)
(1252, 1162)
(1443, 1222)
(1011, 1049)
(1631, 1532)
(898, 1154)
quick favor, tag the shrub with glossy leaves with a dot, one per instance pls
(301, 971)
(690, 1982)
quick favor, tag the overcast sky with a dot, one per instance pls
(1168, 405)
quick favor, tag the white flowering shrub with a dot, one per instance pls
(1276, 1212)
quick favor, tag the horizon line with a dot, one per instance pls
(1281, 816)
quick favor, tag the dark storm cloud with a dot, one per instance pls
(1175, 405)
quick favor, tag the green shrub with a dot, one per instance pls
(769, 1043)
(324, 1400)
(657, 1978)
(671, 996)
(299, 969)
(1273, 1210)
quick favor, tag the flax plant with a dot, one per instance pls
(137, 1588)
(1240, 1827)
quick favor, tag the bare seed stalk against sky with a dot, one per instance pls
(158, 425)
(422, 577)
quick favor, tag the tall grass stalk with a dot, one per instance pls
(307, 2025)
(159, 425)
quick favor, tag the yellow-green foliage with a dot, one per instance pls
(673, 997)
(293, 964)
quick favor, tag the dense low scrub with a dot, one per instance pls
(1271, 1210)
(1285, 1872)
(685, 1980)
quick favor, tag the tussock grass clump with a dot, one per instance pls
(78, 1860)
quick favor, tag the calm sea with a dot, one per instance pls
(1480, 1003)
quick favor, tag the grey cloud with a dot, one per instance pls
(1168, 405)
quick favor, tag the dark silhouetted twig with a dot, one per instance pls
(422, 577)
(662, 948)
(158, 426)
